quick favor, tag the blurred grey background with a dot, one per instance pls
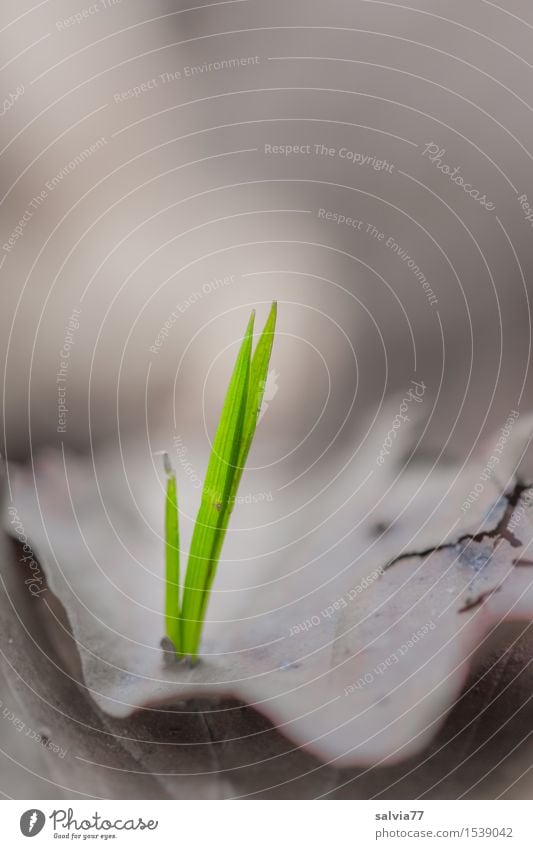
(149, 175)
(166, 166)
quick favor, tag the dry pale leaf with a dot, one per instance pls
(349, 617)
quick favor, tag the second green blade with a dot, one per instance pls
(220, 474)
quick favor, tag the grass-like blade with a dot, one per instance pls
(172, 558)
(256, 390)
(211, 521)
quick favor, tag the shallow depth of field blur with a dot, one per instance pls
(166, 166)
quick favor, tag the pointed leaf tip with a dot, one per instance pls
(167, 465)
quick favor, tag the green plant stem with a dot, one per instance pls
(231, 446)
(256, 389)
(210, 521)
(172, 559)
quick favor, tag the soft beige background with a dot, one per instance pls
(182, 193)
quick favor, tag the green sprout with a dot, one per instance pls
(238, 421)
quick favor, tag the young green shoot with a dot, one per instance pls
(172, 557)
(184, 619)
